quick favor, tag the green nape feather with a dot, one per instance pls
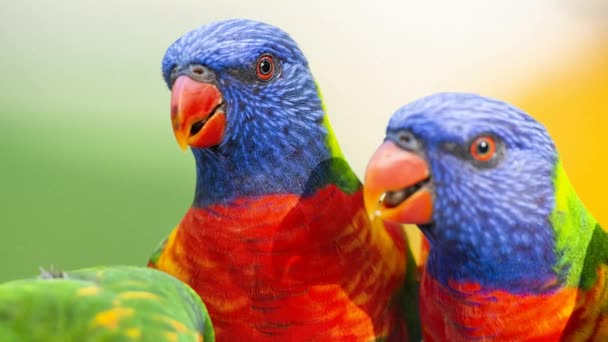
(581, 244)
(120, 303)
(344, 177)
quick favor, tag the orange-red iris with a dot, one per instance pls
(483, 148)
(265, 68)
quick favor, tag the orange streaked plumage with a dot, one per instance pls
(275, 267)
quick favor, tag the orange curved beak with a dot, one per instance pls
(197, 114)
(391, 170)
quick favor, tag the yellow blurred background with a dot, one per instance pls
(89, 169)
(572, 102)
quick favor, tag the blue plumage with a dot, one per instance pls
(275, 137)
(485, 229)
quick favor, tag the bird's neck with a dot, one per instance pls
(577, 234)
(297, 163)
(533, 256)
(494, 267)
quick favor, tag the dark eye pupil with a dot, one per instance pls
(483, 147)
(265, 67)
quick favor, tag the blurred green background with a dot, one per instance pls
(89, 169)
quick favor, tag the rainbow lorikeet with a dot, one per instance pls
(514, 254)
(277, 242)
(121, 303)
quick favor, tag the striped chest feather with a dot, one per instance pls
(281, 266)
(464, 312)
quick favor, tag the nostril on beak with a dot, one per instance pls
(200, 73)
(197, 69)
(407, 140)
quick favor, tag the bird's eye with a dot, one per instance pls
(265, 68)
(483, 148)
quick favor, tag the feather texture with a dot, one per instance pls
(514, 253)
(277, 241)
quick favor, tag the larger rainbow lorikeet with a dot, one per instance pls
(277, 242)
(119, 303)
(514, 253)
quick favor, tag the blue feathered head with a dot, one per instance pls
(476, 174)
(244, 100)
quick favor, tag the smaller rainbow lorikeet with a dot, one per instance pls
(121, 303)
(514, 254)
